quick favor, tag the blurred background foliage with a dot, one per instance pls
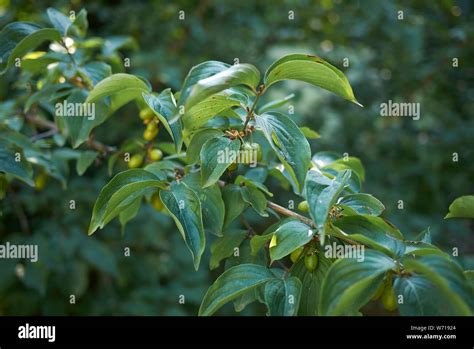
(409, 60)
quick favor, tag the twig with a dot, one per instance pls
(52, 128)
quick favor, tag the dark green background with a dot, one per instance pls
(407, 60)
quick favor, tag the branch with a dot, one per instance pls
(52, 129)
(285, 212)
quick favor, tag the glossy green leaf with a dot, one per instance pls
(311, 285)
(275, 104)
(449, 279)
(255, 198)
(129, 212)
(200, 72)
(212, 204)
(288, 143)
(355, 204)
(310, 69)
(216, 155)
(373, 232)
(204, 111)
(233, 283)
(197, 141)
(225, 246)
(19, 38)
(282, 296)
(9, 154)
(462, 207)
(241, 74)
(77, 128)
(290, 236)
(59, 20)
(84, 161)
(420, 297)
(234, 203)
(185, 208)
(320, 206)
(349, 284)
(122, 88)
(309, 133)
(123, 189)
(164, 107)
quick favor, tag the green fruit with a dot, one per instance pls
(246, 153)
(40, 181)
(258, 149)
(152, 126)
(155, 201)
(135, 161)
(295, 255)
(303, 206)
(155, 154)
(311, 262)
(149, 135)
(146, 114)
(379, 291)
(389, 300)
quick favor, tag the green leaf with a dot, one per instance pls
(373, 232)
(449, 279)
(185, 208)
(59, 21)
(282, 297)
(309, 133)
(194, 149)
(320, 206)
(313, 70)
(351, 163)
(255, 198)
(224, 247)
(216, 155)
(9, 154)
(355, 204)
(289, 144)
(212, 204)
(122, 88)
(164, 107)
(78, 127)
(349, 284)
(94, 72)
(289, 237)
(420, 297)
(84, 161)
(18, 38)
(197, 73)
(234, 204)
(240, 74)
(122, 190)
(462, 207)
(275, 104)
(311, 285)
(233, 283)
(129, 212)
(204, 111)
